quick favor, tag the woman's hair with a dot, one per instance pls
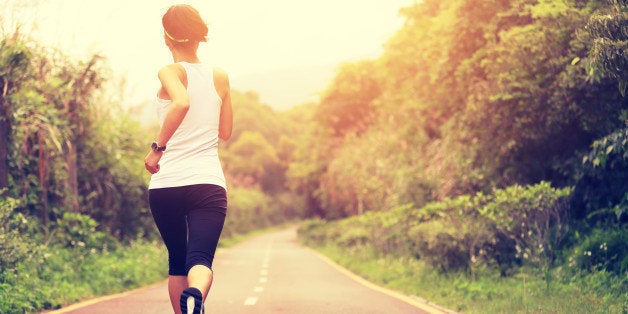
(184, 25)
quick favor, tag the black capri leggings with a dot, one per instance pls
(190, 220)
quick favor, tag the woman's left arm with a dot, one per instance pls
(225, 125)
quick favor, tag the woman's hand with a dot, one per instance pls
(151, 162)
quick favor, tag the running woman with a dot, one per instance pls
(187, 190)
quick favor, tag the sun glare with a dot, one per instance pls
(257, 42)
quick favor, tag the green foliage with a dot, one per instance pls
(251, 209)
(476, 96)
(441, 245)
(262, 143)
(521, 229)
(78, 231)
(35, 277)
(596, 292)
(113, 185)
(250, 158)
(534, 218)
(601, 194)
(508, 228)
(346, 106)
(534, 110)
(255, 161)
(71, 149)
(609, 29)
(53, 277)
(13, 247)
(601, 249)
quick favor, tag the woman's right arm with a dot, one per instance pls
(171, 78)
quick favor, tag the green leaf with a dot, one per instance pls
(609, 150)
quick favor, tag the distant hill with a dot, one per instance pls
(287, 87)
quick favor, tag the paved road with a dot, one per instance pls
(271, 273)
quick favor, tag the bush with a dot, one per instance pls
(601, 192)
(13, 248)
(533, 217)
(53, 277)
(601, 249)
(79, 231)
(441, 245)
(511, 226)
(249, 209)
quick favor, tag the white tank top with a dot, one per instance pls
(191, 155)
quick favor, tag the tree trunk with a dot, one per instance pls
(4, 145)
(5, 129)
(72, 180)
(43, 177)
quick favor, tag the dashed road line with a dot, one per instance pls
(250, 301)
(263, 278)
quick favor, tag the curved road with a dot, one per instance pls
(270, 273)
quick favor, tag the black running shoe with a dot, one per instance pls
(191, 301)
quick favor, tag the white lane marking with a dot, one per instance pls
(263, 278)
(250, 301)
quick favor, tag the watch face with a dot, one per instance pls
(154, 146)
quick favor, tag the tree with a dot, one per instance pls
(347, 105)
(250, 158)
(532, 109)
(609, 54)
(14, 67)
(80, 84)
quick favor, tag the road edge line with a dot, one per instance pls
(89, 302)
(412, 300)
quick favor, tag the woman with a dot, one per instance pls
(187, 191)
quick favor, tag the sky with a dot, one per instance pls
(285, 50)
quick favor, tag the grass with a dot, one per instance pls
(488, 293)
(65, 276)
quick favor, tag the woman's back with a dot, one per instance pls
(191, 156)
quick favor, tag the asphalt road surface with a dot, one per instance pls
(271, 273)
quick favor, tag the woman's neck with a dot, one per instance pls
(185, 56)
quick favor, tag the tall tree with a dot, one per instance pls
(14, 66)
(609, 54)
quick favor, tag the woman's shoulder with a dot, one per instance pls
(221, 81)
(172, 68)
(220, 74)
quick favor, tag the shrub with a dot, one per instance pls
(511, 226)
(248, 209)
(441, 245)
(313, 232)
(601, 191)
(13, 248)
(76, 230)
(533, 217)
(601, 249)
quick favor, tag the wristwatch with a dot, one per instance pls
(156, 148)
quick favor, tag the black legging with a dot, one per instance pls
(190, 220)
